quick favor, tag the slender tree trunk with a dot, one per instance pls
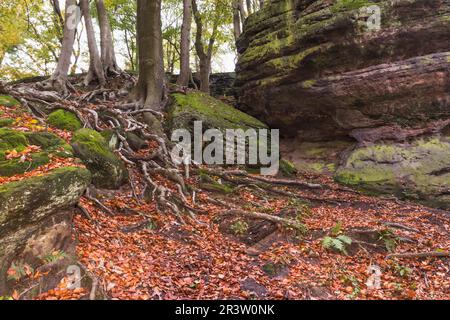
(59, 18)
(150, 86)
(183, 79)
(205, 72)
(236, 20)
(249, 6)
(58, 81)
(106, 41)
(242, 10)
(205, 57)
(95, 63)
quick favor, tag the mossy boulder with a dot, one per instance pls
(197, 106)
(14, 140)
(316, 157)
(33, 199)
(64, 120)
(10, 140)
(50, 143)
(419, 170)
(111, 138)
(29, 206)
(6, 122)
(12, 167)
(107, 169)
(8, 101)
(287, 168)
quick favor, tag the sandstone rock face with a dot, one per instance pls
(312, 67)
(324, 73)
(33, 199)
(32, 204)
(418, 170)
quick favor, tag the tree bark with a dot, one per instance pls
(58, 81)
(249, 7)
(149, 89)
(59, 17)
(205, 56)
(236, 20)
(95, 63)
(242, 11)
(183, 79)
(108, 54)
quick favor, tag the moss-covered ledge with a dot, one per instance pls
(107, 169)
(14, 140)
(64, 120)
(33, 199)
(419, 170)
(184, 109)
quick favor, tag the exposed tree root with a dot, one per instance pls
(289, 223)
(418, 255)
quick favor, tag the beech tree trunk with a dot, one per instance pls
(95, 63)
(242, 10)
(185, 71)
(58, 81)
(150, 87)
(236, 20)
(205, 56)
(249, 6)
(108, 54)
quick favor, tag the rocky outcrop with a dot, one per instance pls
(185, 109)
(417, 170)
(325, 74)
(312, 67)
(11, 140)
(30, 204)
(64, 120)
(108, 170)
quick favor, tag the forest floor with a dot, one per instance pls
(137, 253)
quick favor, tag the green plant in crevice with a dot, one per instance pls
(239, 228)
(389, 238)
(402, 270)
(352, 281)
(55, 256)
(337, 240)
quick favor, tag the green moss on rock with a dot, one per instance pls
(417, 170)
(64, 120)
(12, 167)
(111, 138)
(6, 122)
(36, 198)
(107, 169)
(198, 106)
(287, 168)
(50, 143)
(8, 101)
(11, 140)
